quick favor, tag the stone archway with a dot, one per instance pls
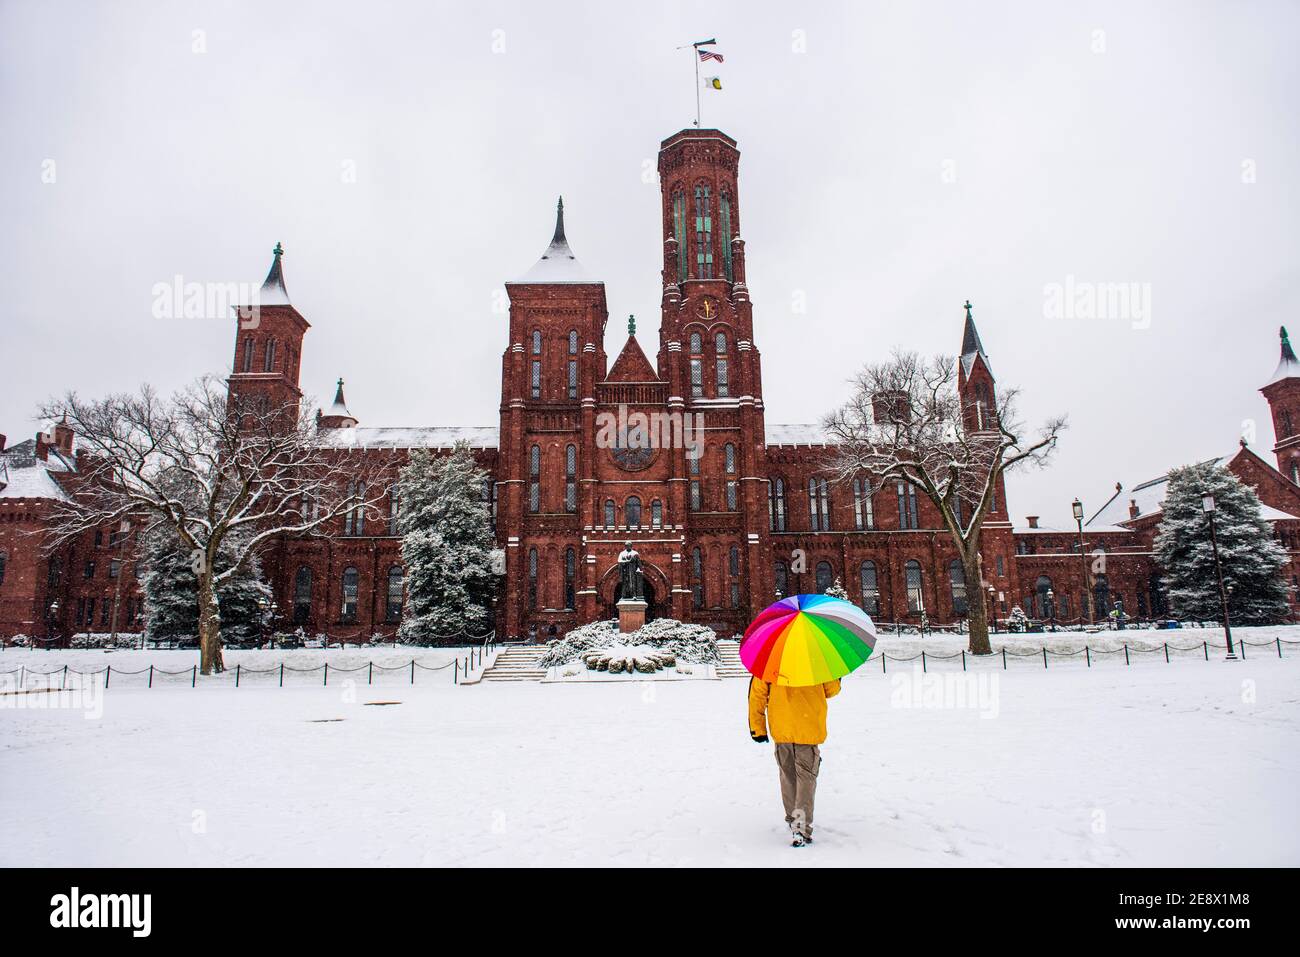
(658, 593)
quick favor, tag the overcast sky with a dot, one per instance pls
(897, 159)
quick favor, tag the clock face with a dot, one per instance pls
(631, 459)
(708, 308)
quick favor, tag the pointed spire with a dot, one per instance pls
(558, 264)
(340, 407)
(273, 292)
(1288, 367)
(558, 238)
(631, 325)
(970, 342)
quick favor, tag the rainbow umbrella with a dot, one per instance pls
(807, 640)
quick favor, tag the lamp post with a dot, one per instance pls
(993, 609)
(262, 606)
(1086, 609)
(123, 531)
(1051, 607)
(50, 626)
(1207, 505)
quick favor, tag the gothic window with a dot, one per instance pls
(724, 217)
(696, 502)
(535, 380)
(248, 354)
(915, 597)
(490, 494)
(907, 515)
(729, 466)
(733, 561)
(720, 351)
(697, 344)
(632, 511)
(354, 519)
(573, 342)
(776, 505)
(870, 588)
(537, 342)
(1285, 421)
(269, 364)
(824, 579)
(957, 580)
(679, 231)
(703, 234)
(393, 606)
(1041, 587)
(697, 575)
(610, 519)
(864, 513)
(656, 514)
(1101, 595)
(735, 594)
(570, 575)
(351, 589)
(114, 568)
(697, 364)
(782, 579)
(1295, 472)
(535, 479)
(394, 508)
(571, 478)
(819, 505)
(532, 578)
(573, 378)
(89, 570)
(302, 595)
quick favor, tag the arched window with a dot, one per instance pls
(537, 342)
(697, 578)
(729, 467)
(269, 363)
(957, 582)
(864, 512)
(656, 514)
(824, 579)
(703, 233)
(870, 588)
(720, 364)
(393, 608)
(819, 505)
(915, 596)
(733, 560)
(693, 465)
(724, 221)
(535, 478)
(571, 478)
(776, 504)
(570, 576)
(1041, 607)
(573, 342)
(532, 578)
(351, 589)
(573, 364)
(1101, 596)
(302, 595)
(354, 519)
(632, 511)
(610, 519)
(679, 232)
(248, 354)
(782, 580)
(907, 513)
(394, 507)
(697, 364)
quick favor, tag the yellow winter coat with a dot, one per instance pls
(796, 715)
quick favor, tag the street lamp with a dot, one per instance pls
(1207, 506)
(1051, 607)
(50, 625)
(1086, 608)
(262, 606)
(993, 608)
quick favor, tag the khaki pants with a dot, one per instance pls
(799, 764)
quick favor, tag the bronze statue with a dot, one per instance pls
(629, 571)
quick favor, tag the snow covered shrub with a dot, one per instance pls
(670, 640)
(20, 641)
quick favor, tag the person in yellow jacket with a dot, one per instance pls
(797, 718)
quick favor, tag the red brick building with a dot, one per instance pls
(720, 534)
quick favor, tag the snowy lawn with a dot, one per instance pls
(1188, 764)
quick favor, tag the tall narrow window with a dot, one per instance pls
(824, 577)
(573, 342)
(632, 511)
(535, 379)
(573, 378)
(733, 561)
(492, 502)
(302, 595)
(776, 505)
(571, 478)
(4, 559)
(697, 578)
(697, 364)
(957, 576)
(354, 519)
(393, 605)
(870, 588)
(724, 221)
(535, 479)
(729, 465)
(703, 234)
(570, 577)
(720, 351)
(394, 507)
(270, 356)
(907, 515)
(532, 578)
(679, 232)
(864, 513)
(248, 354)
(351, 589)
(537, 342)
(610, 518)
(656, 514)
(782, 579)
(915, 597)
(819, 505)
(694, 466)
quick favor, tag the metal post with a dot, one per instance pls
(1087, 655)
(327, 673)
(1083, 564)
(1223, 595)
(1166, 652)
(108, 673)
(1004, 658)
(237, 675)
(151, 676)
(282, 674)
(1044, 657)
(412, 671)
(923, 661)
(370, 674)
(194, 678)
(1126, 661)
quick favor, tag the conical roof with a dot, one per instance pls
(558, 264)
(273, 292)
(1287, 367)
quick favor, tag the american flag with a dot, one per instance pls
(706, 55)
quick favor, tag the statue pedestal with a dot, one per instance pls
(631, 615)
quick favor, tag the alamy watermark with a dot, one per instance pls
(651, 430)
(179, 299)
(978, 692)
(1077, 299)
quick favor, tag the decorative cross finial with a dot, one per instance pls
(968, 308)
(631, 325)
(279, 250)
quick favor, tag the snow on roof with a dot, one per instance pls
(802, 434)
(427, 437)
(558, 264)
(1287, 366)
(29, 477)
(273, 292)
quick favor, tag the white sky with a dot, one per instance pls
(1117, 166)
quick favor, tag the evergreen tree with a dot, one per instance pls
(171, 593)
(447, 545)
(838, 591)
(1250, 558)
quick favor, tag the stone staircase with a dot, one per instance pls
(730, 666)
(516, 663)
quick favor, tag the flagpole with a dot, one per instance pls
(695, 52)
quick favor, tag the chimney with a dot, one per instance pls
(63, 437)
(891, 407)
(1032, 520)
(1133, 510)
(43, 444)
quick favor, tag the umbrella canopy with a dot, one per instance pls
(807, 640)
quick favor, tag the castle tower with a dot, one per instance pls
(550, 368)
(268, 345)
(708, 358)
(975, 382)
(1283, 394)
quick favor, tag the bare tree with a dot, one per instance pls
(907, 422)
(211, 469)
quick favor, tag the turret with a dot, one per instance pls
(975, 383)
(268, 344)
(338, 416)
(1283, 394)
